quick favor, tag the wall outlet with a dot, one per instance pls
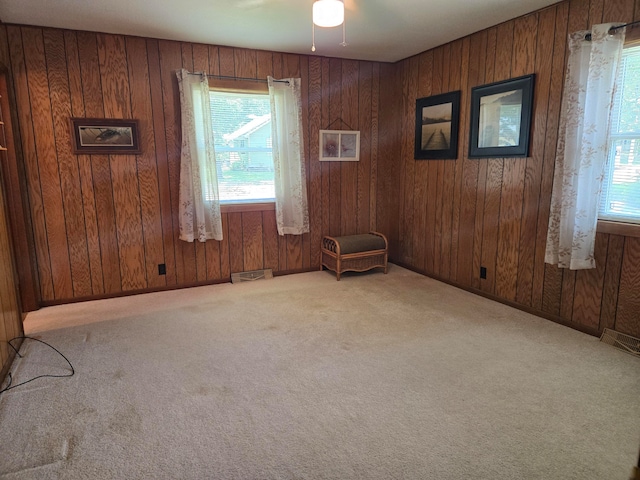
(162, 269)
(483, 272)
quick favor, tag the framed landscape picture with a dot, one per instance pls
(437, 121)
(501, 118)
(104, 136)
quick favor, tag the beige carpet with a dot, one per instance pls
(301, 377)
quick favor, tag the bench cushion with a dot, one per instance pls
(360, 243)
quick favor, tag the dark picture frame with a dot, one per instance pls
(437, 124)
(501, 118)
(104, 136)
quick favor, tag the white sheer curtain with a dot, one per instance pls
(199, 212)
(581, 153)
(292, 215)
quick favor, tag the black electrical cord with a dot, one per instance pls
(9, 386)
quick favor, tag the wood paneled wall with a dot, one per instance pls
(10, 314)
(458, 215)
(102, 224)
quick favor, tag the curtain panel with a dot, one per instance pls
(582, 149)
(199, 209)
(292, 215)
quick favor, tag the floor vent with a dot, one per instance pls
(251, 275)
(624, 342)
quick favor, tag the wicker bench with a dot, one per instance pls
(355, 253)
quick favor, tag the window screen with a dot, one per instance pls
(242, 139)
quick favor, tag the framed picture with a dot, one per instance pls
(104, 136)
(437, 120)
(501, 118)
(339, 145)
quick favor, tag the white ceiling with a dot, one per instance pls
(382, 30)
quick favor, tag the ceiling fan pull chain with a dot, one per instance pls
(313, 37)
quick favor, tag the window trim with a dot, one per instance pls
(238, 86)
(248, 207)
(242, 86)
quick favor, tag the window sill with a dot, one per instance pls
(247, 207)
(618, 228)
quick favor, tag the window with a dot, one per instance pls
(242, 139)
(620, 199)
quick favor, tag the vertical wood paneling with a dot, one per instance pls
(627, 318)
(589, 287)
(56, 233)
(245, 63)
(484, 75)
(270, 240)
(388, 183)
(434, 199)
(315, 169)
(457, 82)
(304, 80)
(616, 11)
(252, 240)
(146, 161)
(425, 67)
(264, 64)
(506, 193)
(447, 218)
(375, 148)
(522, 62)
(451, 77)
(334, 121)
(541, 295)
(610, 291)
(494, 212)
(162, 164)
(84, 167)
(411, 89)
(225, 257)
(10, 317)
(467, 261)
(227, 61)
(67, 162)
(533, 172)
(30, 158)
(325, 170)
(365, 177)
(20, 224)
(170, 57)
(498, 69)
(126, 196)
(94, 107)
(235, 242)
(10, 313)
(349, 170)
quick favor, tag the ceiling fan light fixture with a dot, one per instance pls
(328, 13)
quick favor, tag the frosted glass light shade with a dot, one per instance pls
(328, 13)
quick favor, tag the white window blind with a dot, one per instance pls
(242, 139)
(620, 199)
